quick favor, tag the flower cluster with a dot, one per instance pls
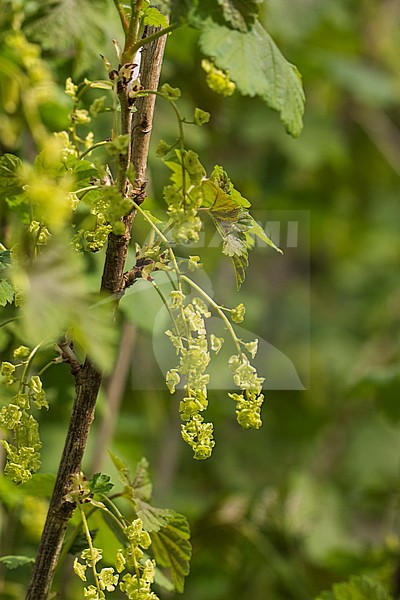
(217, 80)
(139, 588)
(23, 458)
(108, 207)
(106, 579)
(249, 402)
(184, 195)
(136, 586)
(191, 343)
(192, 346)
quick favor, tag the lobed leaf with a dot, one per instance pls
(358, 588)
(12, 562)
(231, 220)
(122, 468)
(5, 259)
(10, 182)
(258, 68)
(142, 484)
(172, 548)
(259, 232)
(6, 292)
(155, 18)
(153, 518)
(56, 299)
(240, 14)
(100, 484)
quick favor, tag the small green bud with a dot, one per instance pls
(21, 352)
(237, 314)
(194, 263)
(70, 88)
(98, 106)
(216, 343)
(79, 569)
(162, 148)
(217, 80)
(118, 228)
(170, 92)
(172, 380)
(91, 556)
(80, 116)
(177, 298)
(252, 347)
(7, 369)
(201, 117)
(120, 561)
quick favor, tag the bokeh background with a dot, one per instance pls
(312, 497)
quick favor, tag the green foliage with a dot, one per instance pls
(172, 548)
(240, 14)
(258, 68)
(56, 25)
(6, 292)
(10, 181)
(56, 300)
(13, 562)
(154, 18)
(245, 53)
(169, 530)
(358, 588)
(100, 484)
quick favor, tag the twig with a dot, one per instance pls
(114, 393)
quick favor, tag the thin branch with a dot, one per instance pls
(114, 392)
(154, 36)
(97, 145)
(122, 15)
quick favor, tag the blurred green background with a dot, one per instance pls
(313, 497)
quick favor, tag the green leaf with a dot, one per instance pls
(100, 484)
(232, 222)
(358, 588)
(153, 518)
(163, 581)
(12, 562)
(180, 10)
(83, 171)
(240, 14)
(5, 259)
(172, 548)
(259, 232)
(56, 299)
(154, 18)
(142, 484)
(258, 68)
(56, 26)
(122, 468)
(6, 292)
(10, 183)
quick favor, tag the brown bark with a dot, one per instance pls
(88, 378)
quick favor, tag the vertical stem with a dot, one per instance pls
(114, 393)
(122, 15)
(88, 378)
